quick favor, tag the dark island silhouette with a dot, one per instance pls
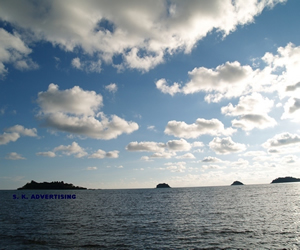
(163, 185)
(236, 183)
(285, 179)
(49, 185)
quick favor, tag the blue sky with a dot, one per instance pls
(128, 94)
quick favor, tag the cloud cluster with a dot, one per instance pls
(75, 111)
(15, 133)
(113, 88)
(106, 29)
(252, 111)
(14, 51)
(176, 166)
(281, 140)
(79, 152)
(14, 156)
(226, 146)
(100, 154)
(163, 150)
(200, 127)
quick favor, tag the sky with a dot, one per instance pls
(129, 94)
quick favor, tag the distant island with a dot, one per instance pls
(237, 183)
(49, 185)
(285, 179)
(163, 185)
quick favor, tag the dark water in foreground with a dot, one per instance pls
(248, 217)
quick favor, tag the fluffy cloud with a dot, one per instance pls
(15, 133)
(292, 109)
(211, 159)
(23, 131)
(281, 140)
(163, 150)
(226, 146)
(73, 149)
(75, 101)
(225, 81)
(254, 153)
(74, 111)
(176, 166)
(91, 168)
(112, 87)
(179, 145)
(186, 156)
(88, 66)
(200, 127)
(232, 79)
(46, 154)
(147, 146)
(103, 30)
(14, 156)
(100, 154)
(8, 137)
(252, 111)
(14, 51)
(213, 167)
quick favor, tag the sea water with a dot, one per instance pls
(231, 217)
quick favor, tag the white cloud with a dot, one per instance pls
(176, 166)
(211, 159)
(46, 154)
(292, 109)
(252, 111)
(91, 168)
(23, 131)
(214, 167)
(255, 153)
(102, 30)
(8, 137)
(14, 51)
(162, 150)
(15, 133)
(75, 101)
(112, 87)
(100, 154)
(73, 149)
(146, 146)
(179, 145)
(166, 155)
(14, 156)
(226, 146)
(88, 66)
(162, 85)
(225, 81)
(151, 128)
(186, 156)
(74, 111)
(281, 140)
(194, 130)
(197, 144)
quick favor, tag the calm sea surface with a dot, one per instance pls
(233, 217)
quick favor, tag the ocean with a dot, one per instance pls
(228, 217)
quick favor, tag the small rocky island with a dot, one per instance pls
(163, 185)
(236, 183)
(285, 179)
(49, 185)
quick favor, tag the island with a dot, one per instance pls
(49, 185)
(235, 183)
(285, 179)
(163, 185)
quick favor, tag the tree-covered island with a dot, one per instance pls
(49, 185)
